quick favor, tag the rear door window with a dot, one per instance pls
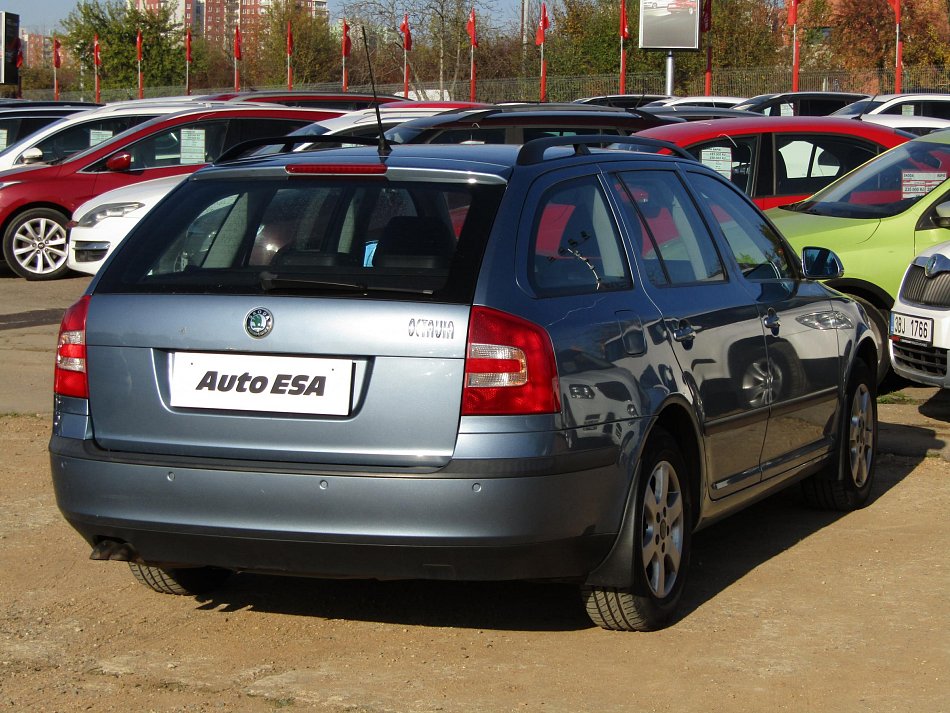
(674, 246)
(576, 246)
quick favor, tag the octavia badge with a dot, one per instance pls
(259, 322)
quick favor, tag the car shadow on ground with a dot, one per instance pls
(722, 555)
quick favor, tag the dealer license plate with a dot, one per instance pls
(247, 382)
(918, 329)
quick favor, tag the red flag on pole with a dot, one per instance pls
(138, 55)
(705, 20)
(624, 35)
(57, 59)
(896, 6)
(18, 46)
(705, 26)
(793, 12)
(624, 25)
(406, 34)
(237, 42)
(97, 61)
(473, 37)
(290, 51)
(543, 24)
(347, 45)
(470, 28)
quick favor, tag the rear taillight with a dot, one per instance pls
(70, 375)
(509, 367)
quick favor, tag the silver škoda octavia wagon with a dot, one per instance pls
(454, 362)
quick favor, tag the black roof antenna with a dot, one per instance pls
(384, 148)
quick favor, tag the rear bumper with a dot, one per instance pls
(557, 525)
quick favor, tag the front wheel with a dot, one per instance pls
(846, 483)
(35, 244)
(661, 551)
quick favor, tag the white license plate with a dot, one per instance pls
(918, 329)
(246, 382)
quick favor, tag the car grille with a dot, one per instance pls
(921, 358)
(921, 290)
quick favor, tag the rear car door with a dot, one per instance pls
(711, 322)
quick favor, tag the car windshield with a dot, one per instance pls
(857, 108)
(886, 186)
(329, 235)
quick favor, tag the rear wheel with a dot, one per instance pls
(179, 580)
(846, 483)
(35, 244)
(661, 551)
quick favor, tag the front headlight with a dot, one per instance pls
(109, 210)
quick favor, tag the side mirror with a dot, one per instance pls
(943, 215)
(32, 155)
(121, 161)
(821, 264)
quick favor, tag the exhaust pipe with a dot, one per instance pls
(114, 550)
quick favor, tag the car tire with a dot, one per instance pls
(179, 580)
(35, 244)
(846, 483)
(662, 526)
(879, 321)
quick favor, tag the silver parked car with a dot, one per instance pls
(472, 362)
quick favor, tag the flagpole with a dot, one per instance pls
(471, 89)
(290, 49)
(623, 68)
(544, 77)
(188, 62)
(898, 61)
(405, 71)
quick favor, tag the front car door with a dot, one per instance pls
(800, 376)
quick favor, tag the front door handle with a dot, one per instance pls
(683, 331)
(771, 320)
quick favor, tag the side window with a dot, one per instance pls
(675, 247)
(760, 252)
(805, 164)
(187, 144)
(732, 159)
(247, 128)
(937, 109)
(80, 137)
(575, 245)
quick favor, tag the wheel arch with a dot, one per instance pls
(676, 417)
(867, 291)
(33, 206)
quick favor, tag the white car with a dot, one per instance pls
(911, 104)
(101, 223)
(84, 129)
(709, 101)
(919, 125)
(920, 318)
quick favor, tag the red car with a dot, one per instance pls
(675, 7)
(36, 201)
(778, 160)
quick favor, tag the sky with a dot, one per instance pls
(45, 15)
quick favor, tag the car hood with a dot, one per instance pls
(801, 229)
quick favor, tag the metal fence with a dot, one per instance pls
(732, 82)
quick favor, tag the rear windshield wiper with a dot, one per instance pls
(271, 281)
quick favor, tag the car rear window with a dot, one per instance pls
(358, 237)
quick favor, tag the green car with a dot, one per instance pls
(877, 219)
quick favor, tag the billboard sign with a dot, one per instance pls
(10, 31)
(669, 24)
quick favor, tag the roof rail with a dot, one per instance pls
(287, 143)
(533, 151)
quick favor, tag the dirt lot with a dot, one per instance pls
(787, 609)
